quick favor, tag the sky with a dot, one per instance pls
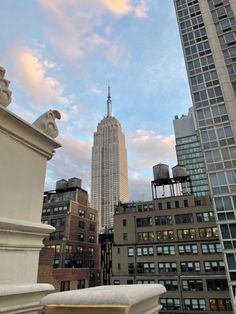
(60, 54)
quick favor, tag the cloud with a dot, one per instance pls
(139, 187)
(118, 6)
(30, 72)
(147, 148)
(141, 9)
(95, 90)
(114, 53)
(72, 160)
(76, 26)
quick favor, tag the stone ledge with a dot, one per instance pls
(132, 299)
(22, 298)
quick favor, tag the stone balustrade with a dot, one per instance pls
(123, 299)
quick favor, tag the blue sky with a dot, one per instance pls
(60, 54)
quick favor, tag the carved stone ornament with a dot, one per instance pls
(46, 123)
(5, 93)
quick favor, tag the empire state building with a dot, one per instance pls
(109, 181)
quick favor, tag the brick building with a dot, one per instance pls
(70, 258)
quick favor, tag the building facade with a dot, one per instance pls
(109, 180)
(70, 259)
(189, 153)
(207, 31)
(173, 241)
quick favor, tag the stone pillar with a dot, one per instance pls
(24, 151)
(123, 299)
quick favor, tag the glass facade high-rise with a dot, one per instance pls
(189, 153)
(208, 35)
(109, 181)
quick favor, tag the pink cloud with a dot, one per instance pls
(148, 148)
(118, 6)
(31, 73)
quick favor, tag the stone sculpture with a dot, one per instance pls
(5, 93)
(46, 122)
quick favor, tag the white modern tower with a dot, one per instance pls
(109, 181)
(208, 35)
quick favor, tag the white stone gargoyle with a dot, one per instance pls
(5, 93)
(46, 123)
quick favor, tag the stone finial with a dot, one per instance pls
(5, 93)
(46, 122)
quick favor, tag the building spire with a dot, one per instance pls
(109, 101)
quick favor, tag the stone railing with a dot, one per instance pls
(123, 299)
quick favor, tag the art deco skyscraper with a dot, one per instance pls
(207, 29)
(109, 181)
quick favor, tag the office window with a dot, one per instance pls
(144, 222)
(165, 235)
(208, 232)
(217, 284)
(188, 249)
(194, 304)
(145, 268)
(145, 236)
(65, 285)
(131, 268)
(220, 305)
(130, 251)
(211, 248)
(57, 223)
(206, 216)
(163, 220)
(145, 251)
(170, 304)
(170, 285)
(167, 267)
(145, 282)
(166, 250)
(186, 234)
(183, 219)
(214, 266)
(192, 285)
(190, 266)
(46, 211)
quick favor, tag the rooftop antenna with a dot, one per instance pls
(109, 101)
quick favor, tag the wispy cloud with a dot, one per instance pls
(147, 148)
(72, 160)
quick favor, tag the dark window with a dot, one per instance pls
(183, 219)
(65, 285)
(217, 284)
(192, 285)
(125, 236)
(92, 227)
(185, 203)
(124, 222)
(130, 282)
(81, 224)
(80, 237)
(168, 205)
(176, 204)
(163, 220)
(81, 284)
(144, 222)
